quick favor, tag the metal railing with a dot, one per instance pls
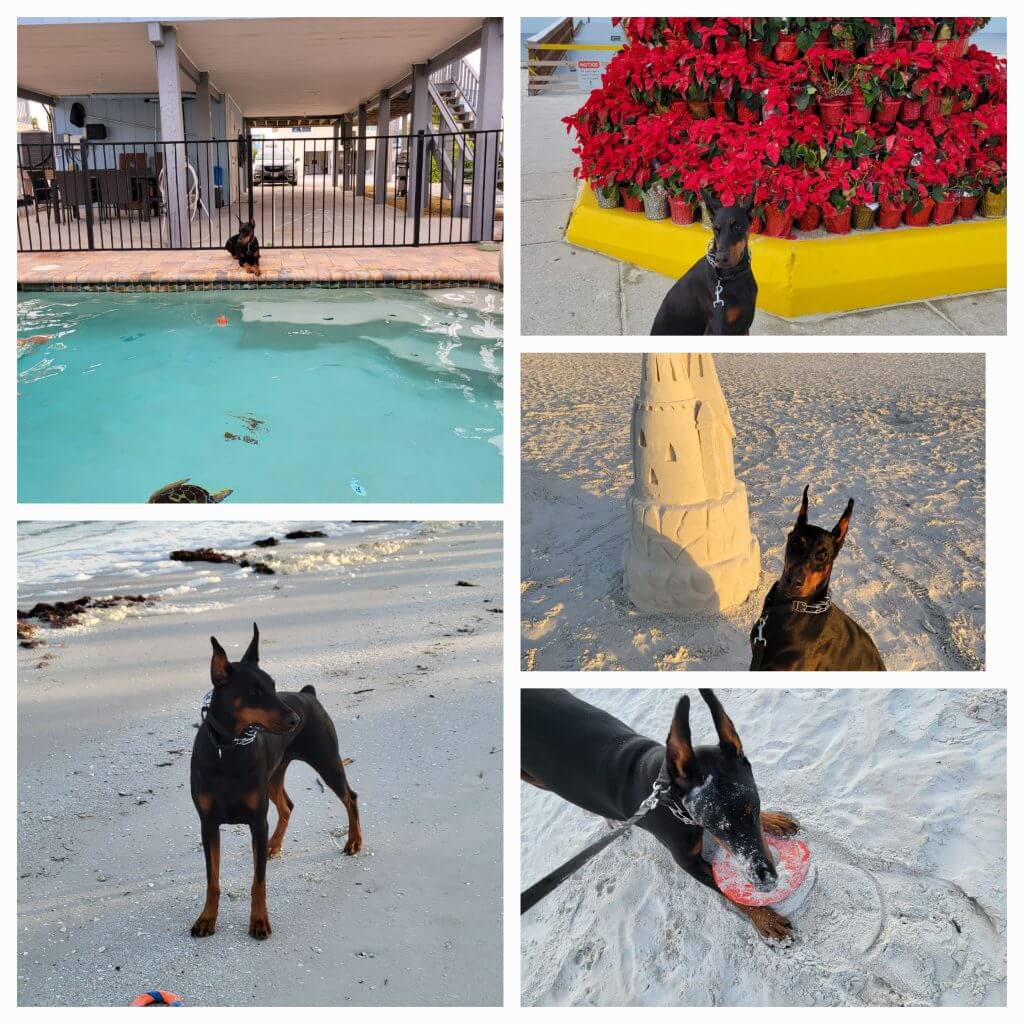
(396, 190)
(460, 74)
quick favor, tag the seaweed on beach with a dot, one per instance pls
(303, 534)
(61, 614)
(211, 555)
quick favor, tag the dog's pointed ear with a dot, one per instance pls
(220, 667)
(678, 749)
(252, 653)
(748, 203)
(711, 200)
(801, 519)
(839, 530)
(728, 738)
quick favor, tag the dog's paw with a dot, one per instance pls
(778, 823)
(204, 926)
(274, 851)
(770, 924)
(259, 927)
(354, 845)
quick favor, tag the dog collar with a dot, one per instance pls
(661, 797)
(730, 273)
(800, 607)
(217, 730)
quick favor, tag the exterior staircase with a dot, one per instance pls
(454, 90)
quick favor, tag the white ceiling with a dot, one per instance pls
(268, 65)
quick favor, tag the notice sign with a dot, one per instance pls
(589, 74)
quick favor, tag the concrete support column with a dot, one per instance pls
(346, 152)
(361, 153)
(172, 130)
(488, 115)
(419, 120)
(380, 159)
(206, 155)
(334, 154)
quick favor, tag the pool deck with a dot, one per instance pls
(432, 265)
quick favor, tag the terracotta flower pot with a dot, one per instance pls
(755, 51)
(747, 115)
(860, 112)
(786, 50)
(700, 109)
(919, 218)
(931, 108)
(810, 218)
(945, 209)
(993, 204)
(680, 210)
(631, 204)
(838, 223)
(888, 109)
(832, 110)
(778, 223)
(863, 218)
(718, 106)
(966, 207)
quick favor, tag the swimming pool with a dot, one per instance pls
(377, 394)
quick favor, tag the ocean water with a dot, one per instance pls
(67, 560)
(305, 395)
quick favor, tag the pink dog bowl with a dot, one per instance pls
(792, 860)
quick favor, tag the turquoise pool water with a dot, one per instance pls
(312, 395)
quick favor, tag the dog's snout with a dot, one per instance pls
(291, 720)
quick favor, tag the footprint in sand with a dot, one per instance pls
(534, 629)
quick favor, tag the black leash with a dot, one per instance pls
(659, 797)
(718, 305)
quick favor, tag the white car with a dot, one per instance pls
(276, 161)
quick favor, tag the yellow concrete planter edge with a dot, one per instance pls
(812, 276)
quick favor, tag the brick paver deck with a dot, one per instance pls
(464, 264)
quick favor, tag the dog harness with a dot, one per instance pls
(218, 730)
(660, 796)
(721, 279)
(760, 644)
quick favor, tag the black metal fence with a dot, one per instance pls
(430, 188)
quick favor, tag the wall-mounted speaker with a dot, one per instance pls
(77, 115)
(95, 132)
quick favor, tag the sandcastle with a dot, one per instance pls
(690, 546)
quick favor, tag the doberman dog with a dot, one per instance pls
(245, 248)
(596, 762)
(800, 629)
(718, 294)
(249, 736)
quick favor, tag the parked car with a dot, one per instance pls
(276, 161)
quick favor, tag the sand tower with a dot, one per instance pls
(690, 546)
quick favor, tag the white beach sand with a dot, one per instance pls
(901, 796)
(110, 866)
(904, 435)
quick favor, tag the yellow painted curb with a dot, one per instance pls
(808, 276)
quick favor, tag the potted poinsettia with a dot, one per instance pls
(993, 180)
(867, 91)
(893, 82)
(919, 204)
(832, 76)
(785, 50)
(968, 192)
(632, 197)
(682, 200)
(655, 198)
(836, 210)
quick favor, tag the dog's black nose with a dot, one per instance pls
(291, 720)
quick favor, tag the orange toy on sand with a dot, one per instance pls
(222, 321)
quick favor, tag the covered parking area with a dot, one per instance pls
(165, 133)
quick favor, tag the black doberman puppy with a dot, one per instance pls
(718, 294)
(598, 763)
(249, 736)
(800, 629)
(245, 248)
